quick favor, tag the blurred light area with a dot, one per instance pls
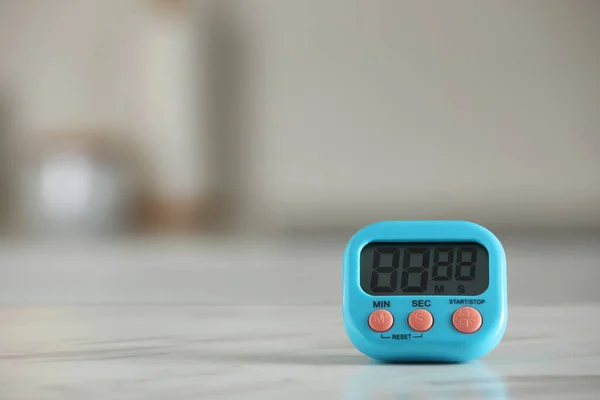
(66, 185)
(173, 128)
(75, 195)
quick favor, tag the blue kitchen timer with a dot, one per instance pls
(424, 291)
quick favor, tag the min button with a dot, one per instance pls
(381, 320)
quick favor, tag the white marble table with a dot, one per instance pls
(227, 352)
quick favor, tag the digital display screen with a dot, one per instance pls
(398, 269)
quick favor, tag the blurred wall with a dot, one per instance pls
(353, 111)
(69, 63)
(485, 110)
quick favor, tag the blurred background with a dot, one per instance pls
(224, 151)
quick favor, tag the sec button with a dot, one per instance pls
(420, 320)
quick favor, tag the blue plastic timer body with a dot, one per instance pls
(443, 342)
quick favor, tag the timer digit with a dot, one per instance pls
(424, 291)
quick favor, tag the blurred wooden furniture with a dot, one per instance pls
(181, 197)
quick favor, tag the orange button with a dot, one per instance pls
(420, 320)
(381, 320)
(467, 320)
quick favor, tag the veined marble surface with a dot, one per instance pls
(229, 352)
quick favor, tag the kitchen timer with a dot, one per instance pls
(424, 291)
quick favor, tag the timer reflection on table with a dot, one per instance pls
(420, 381)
